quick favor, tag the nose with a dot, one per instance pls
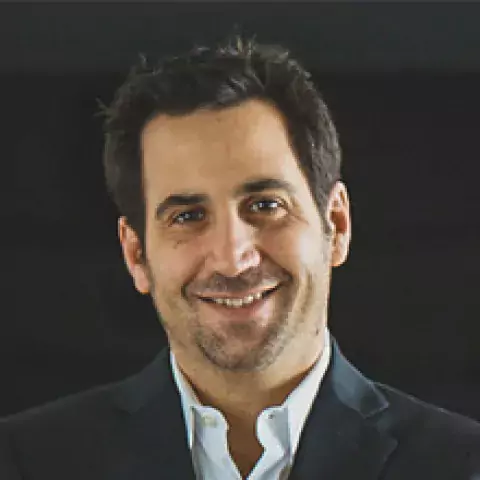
(232, 246)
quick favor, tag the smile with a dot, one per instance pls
(239, 302)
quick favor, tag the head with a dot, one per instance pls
(225, 165)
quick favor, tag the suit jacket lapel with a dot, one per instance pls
(151, 441)
(341, 438)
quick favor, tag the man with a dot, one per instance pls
(225, 166)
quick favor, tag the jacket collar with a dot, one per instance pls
(342, 437)
(151, 441)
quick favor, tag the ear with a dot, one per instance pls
(338, 216)
(132, 254)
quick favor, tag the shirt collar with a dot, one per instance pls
(298, 402)
(188, 398)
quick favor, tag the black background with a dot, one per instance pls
(403, 85)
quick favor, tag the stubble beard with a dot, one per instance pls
(275, 337)
(292, 312)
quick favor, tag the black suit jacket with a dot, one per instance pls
(134, 429)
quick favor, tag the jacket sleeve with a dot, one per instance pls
(8, 469)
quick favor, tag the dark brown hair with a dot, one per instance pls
(217, 77)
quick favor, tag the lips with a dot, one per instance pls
(239, 301)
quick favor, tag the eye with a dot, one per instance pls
(266, 205)
(188, 216)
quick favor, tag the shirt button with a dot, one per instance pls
(209, 421)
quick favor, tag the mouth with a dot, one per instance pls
(247, 301)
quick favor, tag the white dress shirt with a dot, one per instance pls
(278, 428)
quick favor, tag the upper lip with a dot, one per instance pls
(236, 295)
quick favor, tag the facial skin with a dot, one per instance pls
(232, 241)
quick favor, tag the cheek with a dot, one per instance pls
(297, 247)
(172, 267)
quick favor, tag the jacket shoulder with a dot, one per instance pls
(77, 405)
(424, 415)
(80, 435)
(88, 405)
(67, 425)
(430, 435)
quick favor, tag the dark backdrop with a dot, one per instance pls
(402, 82)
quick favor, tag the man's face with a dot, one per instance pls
(230, 218)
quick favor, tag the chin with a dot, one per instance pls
(245, 356)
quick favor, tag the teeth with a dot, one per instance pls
(238, 302)
(248, 300)
(235, 303)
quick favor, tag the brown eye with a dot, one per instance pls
(189, 216)
(265, 205)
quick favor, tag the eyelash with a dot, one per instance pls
(279, 204)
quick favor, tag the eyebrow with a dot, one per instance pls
(252, 186)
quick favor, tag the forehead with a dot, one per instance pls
(217, 150)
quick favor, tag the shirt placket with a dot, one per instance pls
(211, 434)
(272, 434)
